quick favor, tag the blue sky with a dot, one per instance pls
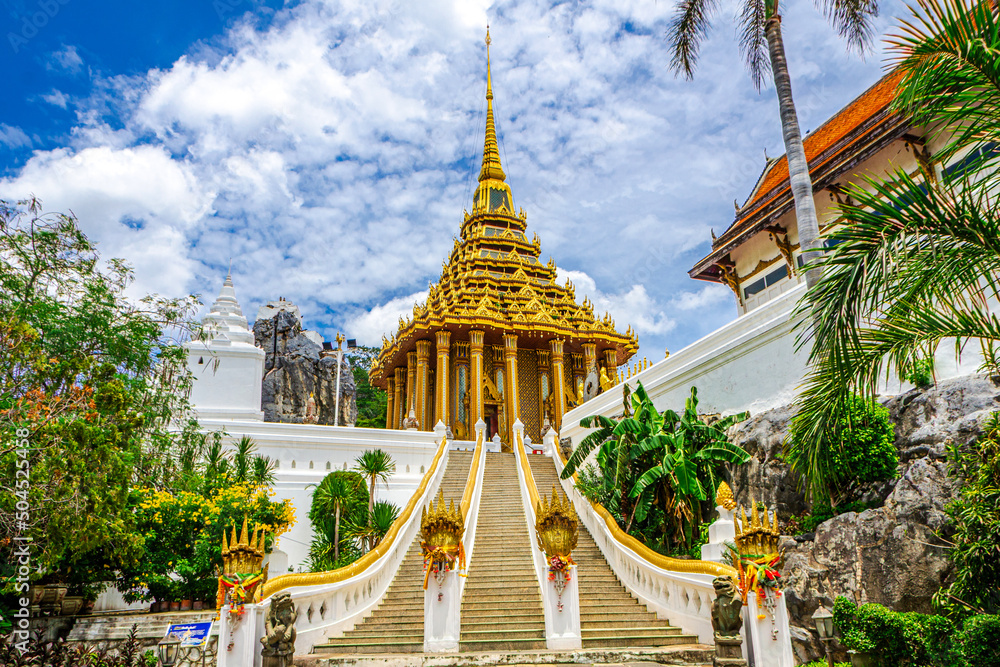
(328, 147)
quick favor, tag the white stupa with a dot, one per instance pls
(227, 367)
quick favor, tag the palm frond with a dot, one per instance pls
(688, 28)
(751, 24)
(853, 20)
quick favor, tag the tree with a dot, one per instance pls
(657, 469)
(341, 494)
(375, 465)
(371, 401)
(760, 42)
(917, 258)
(98, 383)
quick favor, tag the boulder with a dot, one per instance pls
(295, 368)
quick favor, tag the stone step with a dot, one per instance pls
(371, 647)
(480, 633)
(639, 640)
(501, 646)
(687, 655)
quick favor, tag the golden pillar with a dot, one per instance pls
(411, 385)
(420, 402)
(441, 378)
(558, 386)
(390, 403)
(476, 388)
(510, 392)
(400, 413)
(589, 358)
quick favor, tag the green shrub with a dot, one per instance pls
(921, 374)
(897, 639)
(975, 519)
(980, 641)
(865, 452)
(823, 663)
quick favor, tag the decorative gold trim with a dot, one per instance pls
(286, 581)
(470, 483)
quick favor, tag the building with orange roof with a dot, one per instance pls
(758, 254)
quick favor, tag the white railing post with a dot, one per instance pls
(721, 531)
(239, 641)
(562, 612)
(767, 642)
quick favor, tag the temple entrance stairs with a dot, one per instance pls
(397, 624)
(609, 615)
(501, 611)
(502, 606)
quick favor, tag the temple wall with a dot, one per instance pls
(749, 364)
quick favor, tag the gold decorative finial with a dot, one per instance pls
(724, 497)
(491, 151)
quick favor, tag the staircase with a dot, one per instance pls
(397, 624)
(609, 616)
(501, 605)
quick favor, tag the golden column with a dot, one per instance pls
(476, 388)
(441, 378)
(390, 403)
(400, 413)
(423, 358)
(558, 386)
(510, 392)
(411, 385)
(589, 358)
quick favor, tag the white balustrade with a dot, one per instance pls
(326, 610)
(684, 599)
(562, 612)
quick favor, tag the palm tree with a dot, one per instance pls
(918, 258)
(243, 459)
(375, 465)
(760, 42)
(262, 473)
(333, 498)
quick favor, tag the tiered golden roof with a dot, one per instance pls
(494, 281)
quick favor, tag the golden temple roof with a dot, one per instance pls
(494, 281)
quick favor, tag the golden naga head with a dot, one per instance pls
(242, 555)
(556, 526)
(724, 497)
(441, 526)
(757, 536)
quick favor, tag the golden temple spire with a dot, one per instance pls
(491, 152)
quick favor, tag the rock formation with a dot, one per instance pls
(892, 554)
(296, 367)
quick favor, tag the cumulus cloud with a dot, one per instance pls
(57, 98)
(633, 306)
(330, 154)
(371, 325)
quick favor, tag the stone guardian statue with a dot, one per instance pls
(727, 619)
(279, 632)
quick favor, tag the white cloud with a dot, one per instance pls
(633, 306)
(57, 98)
(65, 58)
(13, 137)
(707, 297)
(370, 326)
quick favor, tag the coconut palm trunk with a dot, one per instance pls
(798, 167)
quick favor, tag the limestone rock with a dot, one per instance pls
(296, 366)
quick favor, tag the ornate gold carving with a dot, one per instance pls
(556, 527)
(758, 536)
(724, 497)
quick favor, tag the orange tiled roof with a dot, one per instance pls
(847, 120)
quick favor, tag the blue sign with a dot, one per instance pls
(191, 634)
